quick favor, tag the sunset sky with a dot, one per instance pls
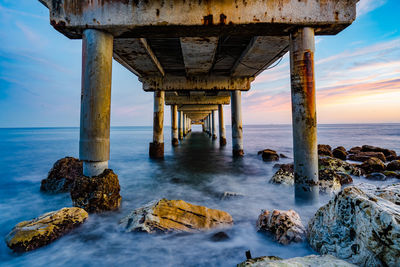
(357, 74)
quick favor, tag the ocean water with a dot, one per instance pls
(197, 171)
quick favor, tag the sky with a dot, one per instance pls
(357, 74)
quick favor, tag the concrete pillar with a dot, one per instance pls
(94, 142)
(237, 130)
(174, 125)
(202, 127)
(156, 150)
(304, 115)
(180, 125)
(222, 134)
(214, 125)
(184, 125)
(208, 125)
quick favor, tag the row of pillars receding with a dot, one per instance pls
(94, 145)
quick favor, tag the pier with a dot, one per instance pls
(196, 57)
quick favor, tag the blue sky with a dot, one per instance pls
(357, 74)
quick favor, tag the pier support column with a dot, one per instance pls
(214, 125)
(174, 125)
(156, 150)
(222, 134)
(180, 125)
(237, 130)
(209, 125)
(304, 115)
(94, 142)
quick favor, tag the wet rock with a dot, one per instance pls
(355, 150)
(285, 226)
(166, 216)
(373, 165)
(230, 195)
(361, 224)
(386, 152)
(393, 165)
(376, 176)
(62, 176)
(307, 261)
(340, 153)
(97, 194)
(325, 150)
(344, 178)
(43, 230)
(219, 237)
(338, 166)
(329, 181)
(285, 175)
(392, 174)
(269, 155)
(283, 156)
(363, 156)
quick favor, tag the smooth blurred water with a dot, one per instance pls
(197, 171)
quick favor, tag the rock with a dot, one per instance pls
(307, 261)
(62, 176)
(392, 174)
(283, 156)
(269, 155)
(393, 165)
(373, 165)
(285, 226)
(340, 153)
(325, 150)
(386, 152)
(166, 216)
(355, 150)
(361, 225)
(376, 176)
(363, 156)
(344, 178)
(329, 181)
(285, 175)
(97, 194)
(43, 230)
(220, 236)
(338, 165)
(230, 195)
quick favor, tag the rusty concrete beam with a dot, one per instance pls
(152, 55)
(260, 54)
(203, 83)
(198, 54)
(188, 108)
(197, 100)
(142, 18)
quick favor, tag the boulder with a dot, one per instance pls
(340, 153)
(30, 235)
(269, 155)
(363, 156)
(285, 175)
(329, 181)
(377, 176)
(393, 165)
(394, 174)
(338, 165)
(386, 152)
(62, 176)
(230, 195)
(361, 224)
(97, 194)
(344, 178)
(164, 216)
(355, 150)
(219, 237)
(325, 150)
(373, 165)
(283, 156)
(284, 226)
(307, 261)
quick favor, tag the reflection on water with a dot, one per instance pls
(197, 171)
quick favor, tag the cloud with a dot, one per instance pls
(366, 6)
(31, 35)
(21, 13)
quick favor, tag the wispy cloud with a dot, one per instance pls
(366, 6)
(21, 13)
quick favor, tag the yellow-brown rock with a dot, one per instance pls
(165, 216)
(29, 235)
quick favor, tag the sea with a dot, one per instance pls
(197, 171)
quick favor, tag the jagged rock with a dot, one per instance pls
(30, 235)
(338, 166)
(329, 181)
(285, 226)
(393, 165)
(307, 261)
(361, 224)
(220, 236)
(376, 176)
(269, 155)
(344, 178)
(373, 165)
(325, 150)
(230, 195)
(285, 175)
(363, 156)
(355, 150)
(166, 216)
(386, 152)
(340, 153)
(97, 194)
(62, 176)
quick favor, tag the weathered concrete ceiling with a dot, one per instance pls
(190, 108)
(197, 115)
(197, 98)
